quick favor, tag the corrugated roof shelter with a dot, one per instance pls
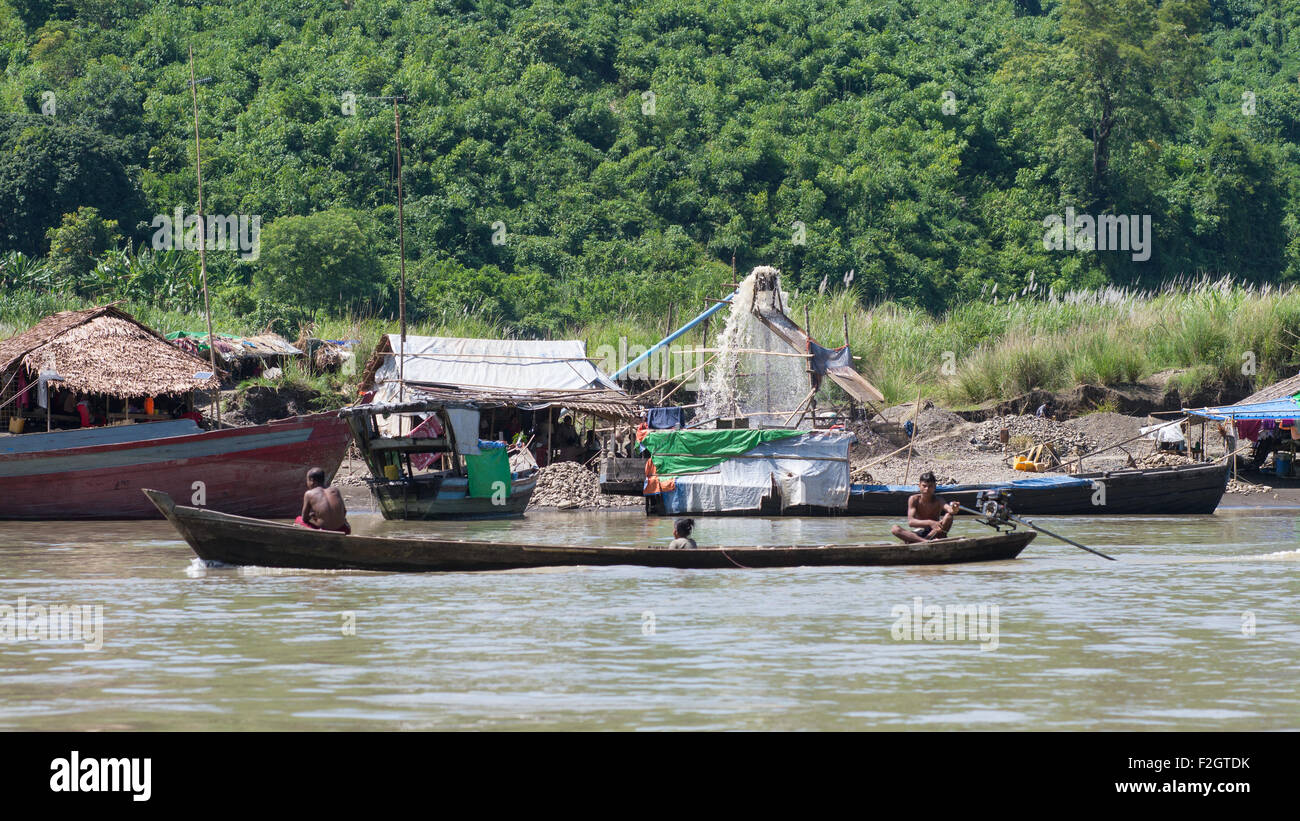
(101, 351)
(529, 373)
(1278, 390)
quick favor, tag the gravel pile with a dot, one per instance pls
(1238, 486)
(352, 470)
(868, 444)
(1064, 438)
(932, 420)
(568, 485)
(1163, 459)
(1107, 429)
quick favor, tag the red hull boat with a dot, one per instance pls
(98, 473)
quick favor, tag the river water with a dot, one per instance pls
(1196, 627)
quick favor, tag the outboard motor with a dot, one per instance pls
(995, 508)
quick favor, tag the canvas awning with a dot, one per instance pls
(532, 374)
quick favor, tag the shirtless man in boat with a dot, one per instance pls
(322, 506)
(928, 513)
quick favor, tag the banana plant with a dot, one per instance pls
(19, 271)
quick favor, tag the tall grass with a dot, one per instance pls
(1214, 331)
(982, 350)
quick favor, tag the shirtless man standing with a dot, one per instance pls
(928, 513)
(322, 506)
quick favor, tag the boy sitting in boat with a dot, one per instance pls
(322, 506)
(682, 535)
(929, 514)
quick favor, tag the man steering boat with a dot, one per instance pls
(928, 514)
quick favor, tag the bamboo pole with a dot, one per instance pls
(798, 408)
(683, 377)
(203, 231)
(1232, 420)
(401, 239)
(756, 351)
(1130, 439)
(450, 355)
(683, 384)
(916, 428)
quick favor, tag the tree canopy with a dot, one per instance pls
(570, 161)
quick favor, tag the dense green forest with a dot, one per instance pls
(570, 162)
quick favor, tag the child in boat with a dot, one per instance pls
(682, 534)
(930, 515)
(322, 506)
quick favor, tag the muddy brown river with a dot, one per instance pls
(1195, 627)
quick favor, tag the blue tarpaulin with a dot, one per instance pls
(1273, 409)
(1034, 482)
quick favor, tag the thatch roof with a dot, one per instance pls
(105, 351)
(1278, 390)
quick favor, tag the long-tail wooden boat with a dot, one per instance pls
(403, 491)
(97, 473)
(1186, 489)
(238, 540)
(1182, 490)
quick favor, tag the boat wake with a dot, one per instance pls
(1278, 556)
(198, 567)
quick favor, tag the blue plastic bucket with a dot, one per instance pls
(1283, 459)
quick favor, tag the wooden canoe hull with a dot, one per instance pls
(238, 540)
(1186, 490)
(256, 471)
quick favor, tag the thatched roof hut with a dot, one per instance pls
(104, 351)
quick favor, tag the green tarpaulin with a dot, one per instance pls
(486, 469)
(691, 451)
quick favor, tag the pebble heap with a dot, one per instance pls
(568, 485)
(1162, 459)
(1237, 486)
(1043, 431)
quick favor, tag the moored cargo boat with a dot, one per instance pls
(97, 473)
(795, 473)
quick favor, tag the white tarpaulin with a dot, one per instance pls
(1164, 432)
(503, 364)
(464, 426)
(512, 365)
(811, 469)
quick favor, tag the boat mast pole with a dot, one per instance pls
(203, 230)
(401, 240)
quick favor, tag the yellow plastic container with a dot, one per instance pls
(16, 424)
(391, 471)
(1024, 464)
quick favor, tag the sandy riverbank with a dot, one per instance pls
(956, 450)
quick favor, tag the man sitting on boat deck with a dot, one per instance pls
(929, 514)
(322, 506)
